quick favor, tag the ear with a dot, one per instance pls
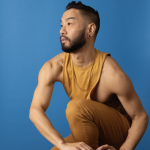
(91, 30)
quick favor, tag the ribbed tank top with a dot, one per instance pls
(82, 77)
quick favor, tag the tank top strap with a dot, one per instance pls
(98, 66)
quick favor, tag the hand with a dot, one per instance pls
(75, 146)
(106, 147)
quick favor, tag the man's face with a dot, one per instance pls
(72, 33)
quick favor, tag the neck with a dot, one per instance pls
(84, 56)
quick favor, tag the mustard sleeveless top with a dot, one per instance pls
(75, 80)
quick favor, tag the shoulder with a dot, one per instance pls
(51, 69)
(115, 78)
(111, 66)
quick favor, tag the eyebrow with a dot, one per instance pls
(69, 18)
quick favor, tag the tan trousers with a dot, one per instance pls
(95, 124)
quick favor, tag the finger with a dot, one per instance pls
(88, 147)
(85, 146)
(106, 146)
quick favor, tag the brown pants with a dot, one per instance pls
(95, 124)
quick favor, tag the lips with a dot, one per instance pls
(63, 39)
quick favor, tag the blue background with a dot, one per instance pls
(29, 36)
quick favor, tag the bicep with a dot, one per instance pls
(42, 96)
(125, 91)
(44, 89)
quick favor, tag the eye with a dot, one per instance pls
(69, 23)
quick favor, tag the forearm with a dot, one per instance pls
(135, 133)
(45, 127)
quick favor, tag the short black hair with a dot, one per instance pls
(91, 13)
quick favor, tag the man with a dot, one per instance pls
(104, 112)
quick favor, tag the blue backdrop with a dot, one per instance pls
(29, 36)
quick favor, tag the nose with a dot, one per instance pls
(63, 31)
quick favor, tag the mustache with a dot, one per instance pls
(64, 37)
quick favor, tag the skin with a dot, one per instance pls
(113, 81)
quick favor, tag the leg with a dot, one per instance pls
(96, 124)
(68, 139)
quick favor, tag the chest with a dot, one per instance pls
(101, 91)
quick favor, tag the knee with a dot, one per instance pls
(73, 107)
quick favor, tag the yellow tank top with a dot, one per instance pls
(82, 76)
(76, 78)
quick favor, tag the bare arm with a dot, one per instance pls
(47, 76)
(134, 108)
(121, 85)
(41, 100)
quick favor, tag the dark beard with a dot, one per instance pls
(75, 44)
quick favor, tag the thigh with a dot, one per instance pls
(112, 125)
(68, 139)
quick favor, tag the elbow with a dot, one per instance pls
(31, 114)
(147, 118)
(142, 117)
(34, 113)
